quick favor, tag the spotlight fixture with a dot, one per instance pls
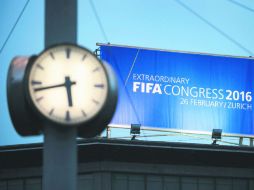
(135, 130)
(216, 135)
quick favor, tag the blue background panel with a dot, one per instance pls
(182, 90)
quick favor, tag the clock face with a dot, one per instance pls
(67, 84)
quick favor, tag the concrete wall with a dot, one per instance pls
(138, 176)
(106, 164)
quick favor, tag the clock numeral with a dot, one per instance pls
(95, 101)
(34, 82)
(51, 111)
(67, 116)
(52, 55)
(39, 66)
(83, 58)
(96, 69)
(39, 99)
(99, 85)
(68, 53)
(84, 113)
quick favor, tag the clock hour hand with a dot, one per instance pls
(68, 84)
(53, 86)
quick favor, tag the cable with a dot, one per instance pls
(14, 26)
(132, 66)
(241, 5)
(99, 21)
(123, 82)
(117, 67)
(215, 28)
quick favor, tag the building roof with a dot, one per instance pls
(102, 149)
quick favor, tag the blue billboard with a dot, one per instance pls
(185, 91)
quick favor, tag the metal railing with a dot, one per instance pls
(202, 135)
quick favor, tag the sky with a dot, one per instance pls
(209, 26)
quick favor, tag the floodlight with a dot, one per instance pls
(216, 135)
(135, 130)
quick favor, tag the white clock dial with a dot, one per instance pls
(67, 84)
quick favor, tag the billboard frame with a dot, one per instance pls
(175, 51)
(148, 128)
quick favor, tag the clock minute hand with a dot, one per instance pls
(53, 86)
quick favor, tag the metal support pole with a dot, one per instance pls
(108, 132)
(59, 159)
(251, 142)
(60, 147)
(60, 21)
(240, 141)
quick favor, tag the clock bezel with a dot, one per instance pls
(47, 120)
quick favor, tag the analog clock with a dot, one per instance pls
(67, 85)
